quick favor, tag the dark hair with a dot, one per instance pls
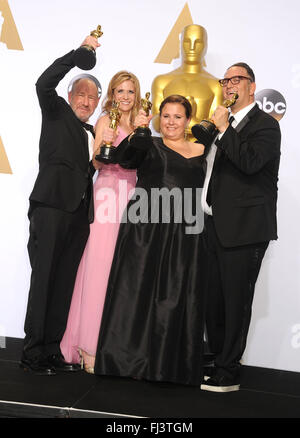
(177, 98)
(247, 68)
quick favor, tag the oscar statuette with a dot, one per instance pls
(106, 154)
(190, 79)
(142, 133)
(206, 131)
(85, 56)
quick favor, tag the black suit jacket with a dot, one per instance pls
(244, 181)
(65, 174)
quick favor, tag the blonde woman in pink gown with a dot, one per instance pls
(80, 339)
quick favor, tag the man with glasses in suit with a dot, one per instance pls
(239, 200)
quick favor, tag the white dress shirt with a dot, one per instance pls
(91, 142)
(238, 117)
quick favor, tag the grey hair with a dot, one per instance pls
(92, 78)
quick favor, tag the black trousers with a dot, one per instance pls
(56, 243)
(232, 276)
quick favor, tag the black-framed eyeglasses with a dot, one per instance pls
(234, 80)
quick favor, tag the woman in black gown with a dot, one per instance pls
(152, 325)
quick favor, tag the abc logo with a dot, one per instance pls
(271, 102)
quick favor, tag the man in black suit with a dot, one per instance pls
(61, 208)
(239, 200)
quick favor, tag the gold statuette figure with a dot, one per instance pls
(190, 80)
(114, 116)
(142, 134)
(85, 56)
(206, 131)
(97, 33)
(106, 154)
(146, 104)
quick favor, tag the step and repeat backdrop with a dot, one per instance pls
(144, 37)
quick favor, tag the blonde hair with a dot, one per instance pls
(115, 81)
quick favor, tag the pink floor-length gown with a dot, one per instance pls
(92, 276)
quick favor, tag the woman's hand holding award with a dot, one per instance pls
(142, 134)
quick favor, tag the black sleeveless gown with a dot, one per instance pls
(153, 318)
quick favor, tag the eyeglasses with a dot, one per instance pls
(234, 80)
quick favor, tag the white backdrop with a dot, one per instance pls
(264, 34)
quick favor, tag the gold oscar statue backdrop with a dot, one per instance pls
(4, 163)
(9, 34)
(190, 79)
(9, 39)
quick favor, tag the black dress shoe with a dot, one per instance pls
(57, 361)
(220, 384)
(38, 366)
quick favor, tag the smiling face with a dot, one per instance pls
(125, 95)
(84, 99)
(245, 89)
(173, 121)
